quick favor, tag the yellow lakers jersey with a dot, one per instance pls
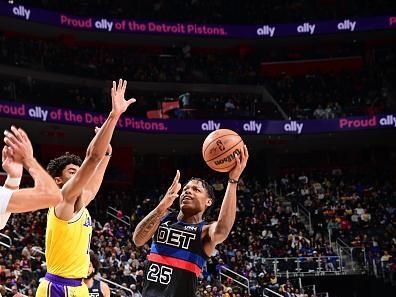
(67, 244)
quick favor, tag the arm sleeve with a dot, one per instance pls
(4, 219)
(5, 196)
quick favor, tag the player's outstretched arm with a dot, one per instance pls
(147, 227)
(73, 189)
(91, 189)
(218, 231)
(45, 192)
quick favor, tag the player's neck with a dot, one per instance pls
(189, 218)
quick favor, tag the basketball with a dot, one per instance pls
(220, 149)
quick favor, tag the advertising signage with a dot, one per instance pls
(133, 26)
(172, 126)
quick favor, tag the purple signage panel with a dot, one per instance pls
(261, 31)
(253, 127)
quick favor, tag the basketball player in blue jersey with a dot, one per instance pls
(69, 225)
(181, 242)
(96, 287)
(18, 153)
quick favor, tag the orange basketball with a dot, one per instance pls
(220, 149)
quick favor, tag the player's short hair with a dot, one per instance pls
(206, 186)
(56, 166)
(95, 261)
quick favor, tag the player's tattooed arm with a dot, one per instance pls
(147, 227)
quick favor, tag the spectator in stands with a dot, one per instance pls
(273, 282)
(319, 112)
(298, 96)
(95, 286)
(245, 247)
(135, 293)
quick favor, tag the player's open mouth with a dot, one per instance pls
(186, 198)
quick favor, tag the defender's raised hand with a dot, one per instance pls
(12, 168)
(119, 103)
(19, 143)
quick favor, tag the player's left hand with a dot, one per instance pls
(10, 166)
(240, 165)
(172, 193)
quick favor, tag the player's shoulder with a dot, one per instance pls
(206, 226)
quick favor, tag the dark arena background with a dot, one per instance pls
(309, 86)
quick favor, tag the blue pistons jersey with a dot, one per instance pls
(176, 259)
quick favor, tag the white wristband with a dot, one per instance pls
(13, 181)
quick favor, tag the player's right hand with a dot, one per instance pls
(172, 193)
(19, 143)
(240, 165)
(119, 104)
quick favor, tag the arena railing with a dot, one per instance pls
(382, 269)
(322, 294)
(311, 290)
(111, 211)
(9, 290)
(302, 211)
(235, 277)
(116, 285)
(353, 258)
(308, 288)
(269, 293)
(303, 266)
(5, 240)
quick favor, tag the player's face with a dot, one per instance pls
(194, 197)
(67, 173)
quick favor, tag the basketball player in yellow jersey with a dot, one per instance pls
(69, 227)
